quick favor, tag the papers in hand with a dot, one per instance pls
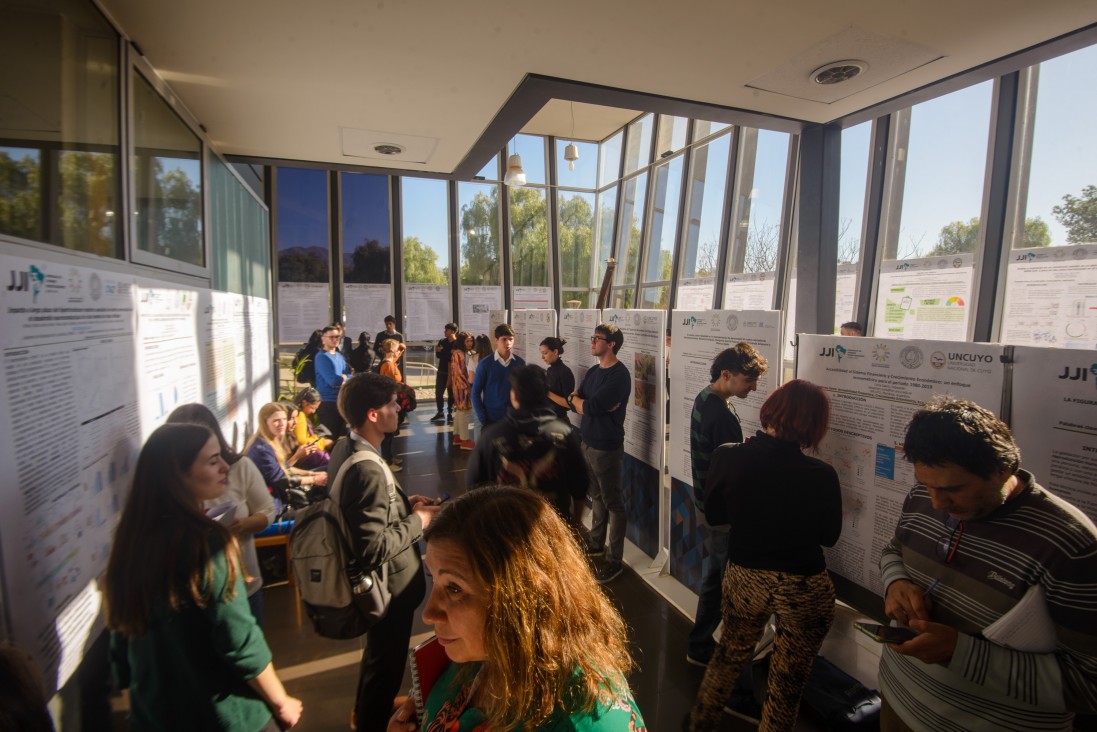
(223, 513)
(1027, 626)
(427, 660)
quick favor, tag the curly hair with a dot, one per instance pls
(549, 626)
(950, 430)
(742, 358)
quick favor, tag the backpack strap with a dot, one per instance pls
(358, 456)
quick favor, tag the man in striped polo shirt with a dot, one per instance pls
(977, 536)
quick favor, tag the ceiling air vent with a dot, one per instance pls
(838, 71)
(387, 148)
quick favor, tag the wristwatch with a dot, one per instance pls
(571, 406)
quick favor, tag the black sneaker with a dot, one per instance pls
(608, 572)
(438, 418)
(449, 419)
(594, 551)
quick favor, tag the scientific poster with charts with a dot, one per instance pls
(530, 328)
(1054, 420)
(302, 308)
(696, 293)
(477, 302)
(531, 298)
(68, 451)
(697, 337)
(167, 326)
(925, 298)
(845, 292)
(749, 291)
(495, 319)
(428, 309)
(644, 354)
(1051, 297)
(875, 385)
(576, 327)
(366, 306)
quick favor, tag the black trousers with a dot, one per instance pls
(328, 414)
(442, 388)
(382, 669)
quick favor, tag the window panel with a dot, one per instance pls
(700, 251)
(532, 150)
(632, 223)
(605, 213)
(529, 237)
(584, 174)
(367, 239)
(239, 234)
(426, 231)
(655, 297)
(490, 171)
(302, 209)
(478, 204)
(576, 227)
(638, 150)
(702, 129)
(856, 146)
(609, 159)
(666, 199)
(672, 135)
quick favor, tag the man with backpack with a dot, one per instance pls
(384, 526)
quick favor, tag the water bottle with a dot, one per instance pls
(360, 583)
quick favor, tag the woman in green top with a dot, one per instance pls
(184, 640)
(534, 643)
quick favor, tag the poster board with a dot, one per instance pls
(875, 385)
(575, 328)
(428, 309)
(99, 358)
(1051, 297)
(749, 291)
(495, 319)
(526, 297)
(302, 308)
(925, 298)
(696, 293)
(530, 328)
(366, 306)
(477, 302)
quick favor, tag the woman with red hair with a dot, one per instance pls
(783, 507)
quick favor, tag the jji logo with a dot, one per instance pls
(30, 280)
(839, 351)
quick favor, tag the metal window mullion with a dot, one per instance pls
(335, 244)
(454, 251)
(553, 215)
(870, 221)
(729, 213)
(677, 248)
(891, 201)
(397, 220)
(505, 243)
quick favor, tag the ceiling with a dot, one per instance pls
(315, 81)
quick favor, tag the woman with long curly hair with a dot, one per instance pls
(184, 640)
(460, 387)
(534, 643)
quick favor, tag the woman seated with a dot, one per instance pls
(304, 455)
(534, 643)
(184, 641)
(267, 449)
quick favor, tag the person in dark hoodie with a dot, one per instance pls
(533, 448)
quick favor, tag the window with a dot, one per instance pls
(703, 129)
(856, 145)
(529, 237)
(60, 157)
(167, 164)
(239, 234)
(532, 150)
(478, 211)
(662, 231)
(672, 135)
(425, 250)
(605, 214)
(631, 228)
(367, 238)
(583, 175)
(304, 277)
(701, 248)
(576, 227)
(638, 144)
(609, 159)
(490, 171)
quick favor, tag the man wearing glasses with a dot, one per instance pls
(602, 399)
(331, 371)
(978, 538)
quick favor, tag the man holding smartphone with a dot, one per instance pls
(994, 539)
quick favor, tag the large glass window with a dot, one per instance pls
(703, 129)
(579, 173)
(529, 237)
(304, 290)
(605, 214)
(631, 228)
(1062, 178)
(609, 159)
(638, 144)
(239, 234)
(490, 171)
(59, 126)
(672, 135)
(167, 165)
(704, 216)
(576, 227)
(478, 204)
(856, 145)
(532, 150)
(426, 233)
(662, 232)
(367, 239)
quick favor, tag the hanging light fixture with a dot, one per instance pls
(514, 176)
(571, 152)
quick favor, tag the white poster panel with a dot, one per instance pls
(925, 298)
(696, 293)
(644, 353)
(576, 328)
(1051, 297)
(788, 349)
(495, 319)
(477, 302)
(875, 385)
(531, 298)
(428, 309)
(302, 308)
(845, 290)
(696, 338)
(530, 328)
(366, 306)
(69, 447)
(167, 345)
(1054, 420)
(749, 291)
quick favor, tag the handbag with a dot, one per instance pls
(406, 398)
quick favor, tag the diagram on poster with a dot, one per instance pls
(576, 327)
(925, 298)
(1051, 297)
(477, 302)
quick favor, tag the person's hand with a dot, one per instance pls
(935, 642)
(237, 526)
(426, 513)
(403, 719)
(320, 479)
(906, 601)
(424, 500)
(577, 402)
(288, 713)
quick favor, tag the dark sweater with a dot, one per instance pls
(560, 381)
(782, 505)
(601, 390)
(711, 424)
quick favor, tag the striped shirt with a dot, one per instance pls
(712, 423)
(1034, 538)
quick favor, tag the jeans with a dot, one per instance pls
(607, 497)
(442, 390)
(701, 644)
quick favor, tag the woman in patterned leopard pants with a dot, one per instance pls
(783, 507)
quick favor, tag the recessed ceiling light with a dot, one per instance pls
(388, 148)
(838, 71)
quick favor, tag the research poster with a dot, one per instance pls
(366, 306)
(530, 328)
(845, 293)
(168, 344)
(69, 448)
(1054, 420)
(427, 309)
(749, 291)
(531, 298)
(495, 319)
(477, 302)
(644, 354)
(576, 327)
(925, 298)
(697, 337)
(875, 385)
(696, 293)
(1051, 297)
(302, 308)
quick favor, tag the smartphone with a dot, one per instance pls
(885, 633)
(443, 499)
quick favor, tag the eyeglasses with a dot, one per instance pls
(595, 339)
(947, 545)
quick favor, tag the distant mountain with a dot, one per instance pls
(319, 252)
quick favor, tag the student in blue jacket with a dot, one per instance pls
(491, 384)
